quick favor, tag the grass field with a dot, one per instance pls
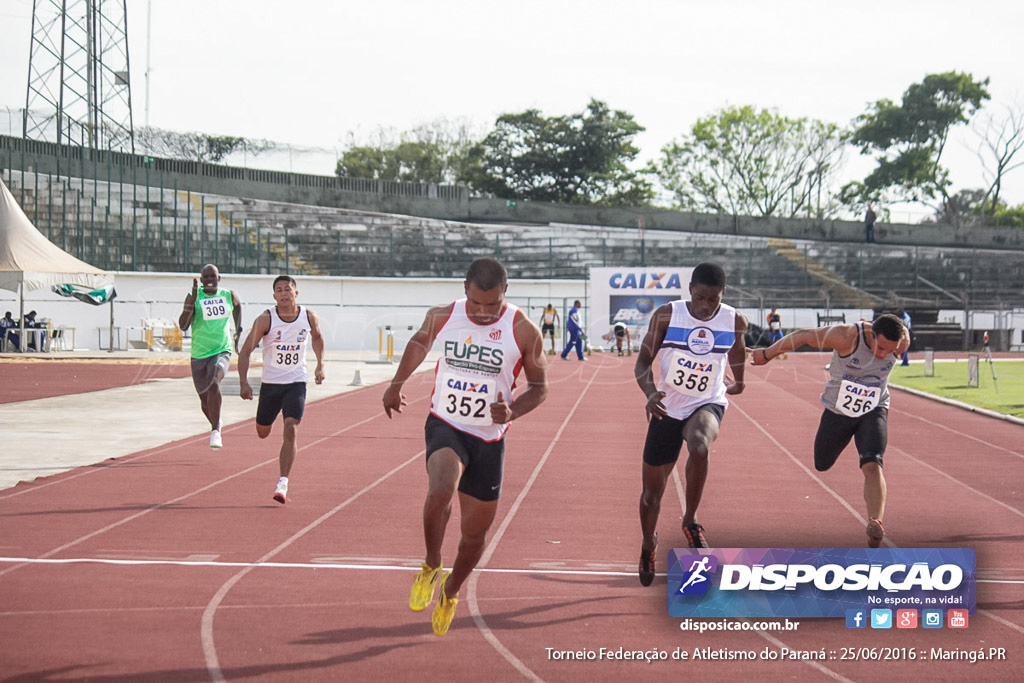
(950, 381)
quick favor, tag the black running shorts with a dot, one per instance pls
(483, 462)
(870, 434)
(287, 399)
(665, 436)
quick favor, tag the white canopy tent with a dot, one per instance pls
(29, 261)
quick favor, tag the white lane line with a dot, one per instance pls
(403, 567)
(832, 492)
(206, 629)
(814, 665)
(960, 483)
(159, 506)
(110, 463)
(471, 590)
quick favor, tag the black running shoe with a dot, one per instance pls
(695, 535)
(647, 558)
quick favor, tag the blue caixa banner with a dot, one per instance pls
(817, 582)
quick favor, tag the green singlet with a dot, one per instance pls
(210, 334)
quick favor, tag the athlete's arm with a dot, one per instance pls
(904, 342)
(643, 369)
(236, 313)
(414, 354)
(318, 344)
(189, 308)
(531, 346)
(260, 327)
(841, 338)
(738, 357)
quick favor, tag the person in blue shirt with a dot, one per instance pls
(905, 317)
(8, 325)
(574, 327)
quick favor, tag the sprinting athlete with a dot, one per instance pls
(485, 342)
(284, 331)
(856, 398)
(208, 311)
(694, 342)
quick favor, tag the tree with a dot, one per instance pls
(435, 152)
(1000, 142)
(580, 158)
(744, 161)
(200, 147)
(908, 139)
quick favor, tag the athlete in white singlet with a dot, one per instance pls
(695, 342)
(484, 343)
(284, 331)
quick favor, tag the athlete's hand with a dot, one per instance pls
(655, 408)
(759, 358)
(733, 387)
(393, 400)
(319, 374)
(244, 390)
(195, 288)
(501, 412)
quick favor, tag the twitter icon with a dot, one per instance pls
(881, 618)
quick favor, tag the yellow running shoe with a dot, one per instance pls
(423, 587)
(444, 610)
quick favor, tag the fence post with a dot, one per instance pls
(551, 257)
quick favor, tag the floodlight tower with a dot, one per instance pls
(79, 82)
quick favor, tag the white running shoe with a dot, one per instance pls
(281, 492)
(215, 440)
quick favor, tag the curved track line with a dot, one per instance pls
(176, 443)
(471, 597)
(141, 513)
(206, 629)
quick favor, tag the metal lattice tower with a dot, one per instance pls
(79, 83)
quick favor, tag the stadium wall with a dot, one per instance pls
(452, 202)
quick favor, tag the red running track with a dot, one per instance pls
(48, 377)
(175, 564)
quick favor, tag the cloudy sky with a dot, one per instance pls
(310, 72)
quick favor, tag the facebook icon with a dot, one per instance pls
(856, 618)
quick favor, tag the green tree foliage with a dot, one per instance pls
(193, 146)
(581, 158)
(745, 161)
(908, 139)
(435, 152)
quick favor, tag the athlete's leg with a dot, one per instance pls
(444, 468)
(655, 478)
(211, 398)
(477, 517)
(287, 456)
(871, 439)
(834, 433)
(699, 433)
(874, 490)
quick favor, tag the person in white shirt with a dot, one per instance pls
(284, 331)
(485, 341)
(695, 342)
